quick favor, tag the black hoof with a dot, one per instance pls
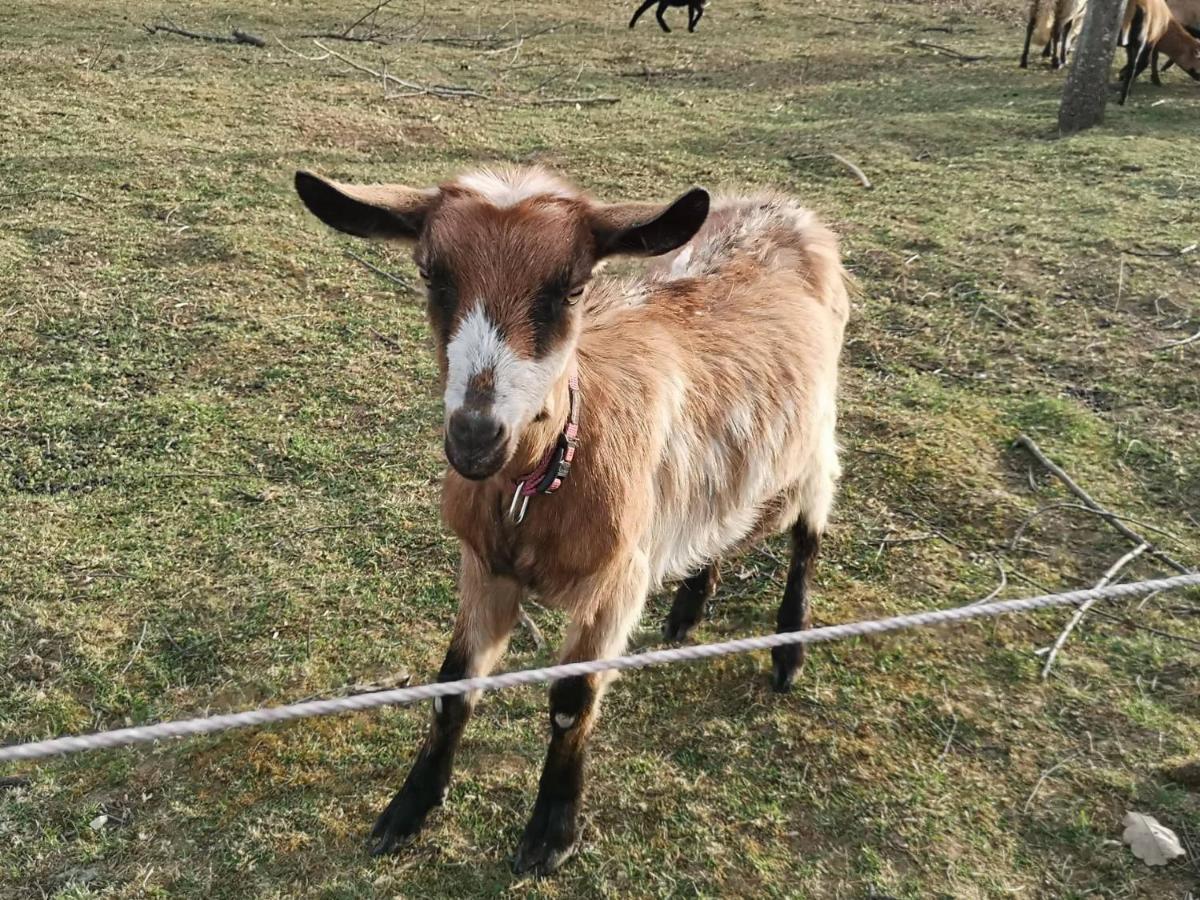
(550, 840)
(399, 824)
(787, 660)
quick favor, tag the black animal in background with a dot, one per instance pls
(695, 10)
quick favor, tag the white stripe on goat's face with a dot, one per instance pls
(478, 350)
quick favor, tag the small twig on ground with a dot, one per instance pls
(395, 279)
(1191, 642)
(1101, 513)
(938, 48)
(949, 740)
(1042, 780)
(237, 36)
(858, 173)
(137, 648)
(390, 343)
(1077, 616)
(575, 101)
(1116, 521)
(529, 625)
(1183, 343)
(352, 38)
(373, 11)
(412, 87)
(1000, 587)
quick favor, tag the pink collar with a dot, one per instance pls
(552, 471)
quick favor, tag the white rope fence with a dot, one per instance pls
(401, 696)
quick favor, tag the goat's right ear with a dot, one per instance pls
(648, 229)
(367, 210)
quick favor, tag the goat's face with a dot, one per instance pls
(505, 257)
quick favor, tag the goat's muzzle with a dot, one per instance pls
(476, 443)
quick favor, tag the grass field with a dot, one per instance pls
(219, 456)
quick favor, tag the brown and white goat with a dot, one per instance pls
(1187, 14)
(703, 395)
(1049, 24)
(1149, 26)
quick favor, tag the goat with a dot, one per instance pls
(1049, 25)
(694, 409)
(1149, 26)
(1187, 14)
(695, 10)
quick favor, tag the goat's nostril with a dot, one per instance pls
(472, 428)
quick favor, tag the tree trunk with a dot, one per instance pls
(1086, 90)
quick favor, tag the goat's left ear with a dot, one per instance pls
(648, 229)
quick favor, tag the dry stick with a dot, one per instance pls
(1000, 587)
(1050, 771)
(938, 48)
(1103, 514)
(1078, 615)
(352, 38)
(370, 12)
(236, 37)
(858, 173)
(395, 279)
(1114, 520)
(413, 86)
(1191, 642)
(575, 101)
(1188, 340)
(534, 632)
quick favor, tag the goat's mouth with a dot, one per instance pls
(476, 463)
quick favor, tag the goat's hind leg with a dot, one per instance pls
(488, 610)
(658, 14)
(691, 598)
(794, 611)
(641, 9)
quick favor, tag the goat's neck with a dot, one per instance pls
(541, 434)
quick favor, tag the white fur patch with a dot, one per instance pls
(520, 385)
(504, 188)
(437, 705)
(563, 721)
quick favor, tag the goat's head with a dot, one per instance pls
(505, 256)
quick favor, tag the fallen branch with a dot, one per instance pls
(1101, 513)
(938, 48)
(575, 101)
(395, 279)
(1190, 642)
(1183, 343)
(237, 36)
(529, 625)
(1000, 587)
(352, 38)
(14, 781)
(414, 88)
(1050, 771)
(858, 173)
(1077, 616)
(1114, 520)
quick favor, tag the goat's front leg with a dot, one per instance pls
(608, 610)
(487, 611)
(698, 12)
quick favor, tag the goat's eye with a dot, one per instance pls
(423, 272)
(574, 295)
